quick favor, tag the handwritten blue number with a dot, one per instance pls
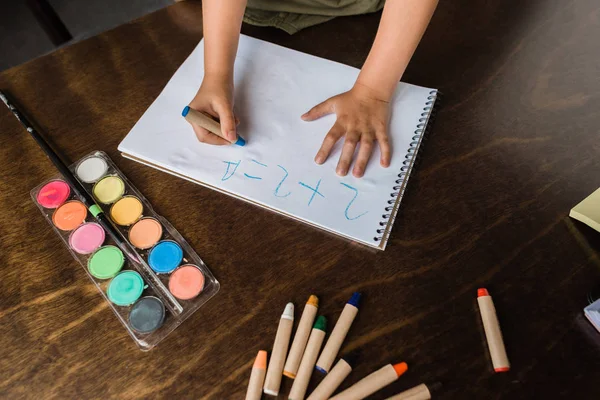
(350, 204)
(276, 193)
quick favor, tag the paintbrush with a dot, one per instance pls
(62, 167)
(90, 203)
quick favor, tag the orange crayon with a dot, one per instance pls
(301, 339)
(257, 377)
(373, 382)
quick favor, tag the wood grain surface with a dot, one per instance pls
(514, 147)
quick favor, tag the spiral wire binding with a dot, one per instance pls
(420, 133)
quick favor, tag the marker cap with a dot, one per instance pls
(400, 368)
(288, 313)
(185, 111)
(313, 300)
(321, 323)
(240, 141)
(261, 360)
(355, 299)
(482, 292)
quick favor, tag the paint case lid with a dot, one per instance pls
(592, 313)
(138, 309)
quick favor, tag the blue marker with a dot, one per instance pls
(342, 326)
(206, 122)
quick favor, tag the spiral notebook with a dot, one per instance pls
(274, 86)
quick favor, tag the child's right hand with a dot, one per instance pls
(215, 97)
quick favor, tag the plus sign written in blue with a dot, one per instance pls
(315, 190)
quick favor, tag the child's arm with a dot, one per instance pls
(222, 21)
(362, 113)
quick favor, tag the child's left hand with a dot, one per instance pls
(362, 116)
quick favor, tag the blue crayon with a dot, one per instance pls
(342, 326)
(206, 122)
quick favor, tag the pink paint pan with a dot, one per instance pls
(53, 194)
(87, 238)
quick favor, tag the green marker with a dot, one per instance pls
(315, 341)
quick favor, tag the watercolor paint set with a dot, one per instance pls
(155, 282)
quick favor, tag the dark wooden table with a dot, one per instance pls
(514, 147)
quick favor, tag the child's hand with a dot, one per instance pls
(362, 117)
(215, 97)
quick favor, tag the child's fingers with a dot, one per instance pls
(227, 120)
(364, 154)
(347, 152)
(207, 137)
(319, 110)
(334, 134)
(384, 145)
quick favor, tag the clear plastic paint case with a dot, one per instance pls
(165, 277)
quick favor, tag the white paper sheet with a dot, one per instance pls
(274, 86)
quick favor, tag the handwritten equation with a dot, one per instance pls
(284, 189)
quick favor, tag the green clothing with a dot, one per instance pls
(294, 15)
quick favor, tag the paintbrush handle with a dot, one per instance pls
(90, 203)
(64, 170)
(52, 155)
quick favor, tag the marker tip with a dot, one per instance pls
(355, 299)
(289, 311)
(400, 368)
(261, 360)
